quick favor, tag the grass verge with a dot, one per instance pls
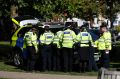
(5, 66)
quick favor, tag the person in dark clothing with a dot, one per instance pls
(92, 62)
(31, 43)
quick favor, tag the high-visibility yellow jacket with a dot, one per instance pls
(68, 38)
(47, 38)
(30, 39)
(85, 39)
(57, 39)
(104, 42)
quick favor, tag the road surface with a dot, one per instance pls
(23, 75)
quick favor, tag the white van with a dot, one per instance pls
(116, 22)
(74, 22)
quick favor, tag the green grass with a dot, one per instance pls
(4, 43)
(4, 66)
(4, 50)
(9, 67)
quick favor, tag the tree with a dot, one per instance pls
(113, 7)
(8, 9)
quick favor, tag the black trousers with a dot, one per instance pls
(104, 60)
(84, 58)
(56, 58)
(31, 58)
(47, 57)
(92, 63)
(67, 59)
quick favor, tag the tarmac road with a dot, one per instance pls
(23, 75)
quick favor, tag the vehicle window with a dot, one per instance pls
(22, 32)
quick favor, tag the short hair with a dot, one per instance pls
(83, 28)
(102, 26)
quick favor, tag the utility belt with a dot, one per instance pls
(50, 45)
(54, 45)
(84, 44)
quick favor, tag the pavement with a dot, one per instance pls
(25, 75)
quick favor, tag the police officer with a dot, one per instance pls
(46, 40)
(56, 52)
(68, 38)
(84, 40)
(31, 43)
(104, 45)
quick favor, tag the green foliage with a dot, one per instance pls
(47, 8)
(117, 28)
(6, 4)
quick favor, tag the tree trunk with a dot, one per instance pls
(14, 10)
(14, 13)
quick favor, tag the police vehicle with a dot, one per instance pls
(21, 21)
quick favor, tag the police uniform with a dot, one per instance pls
(31, 43)
(46, 39)
(68, 39)
(104, 46)
(56, 52)
(85, 40)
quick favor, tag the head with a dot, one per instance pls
(33, 29)
(103, 28)
(47, 27)
(83, 28)
(69, 27)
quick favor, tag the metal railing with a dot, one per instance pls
(106, 74)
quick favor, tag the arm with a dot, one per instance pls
(61, 37)
(42, 38)
(74, 36)
(96, 43)
(91, 40)
(52, 38)
(107, 38)
(78, 38)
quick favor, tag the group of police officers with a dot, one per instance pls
(57, 49)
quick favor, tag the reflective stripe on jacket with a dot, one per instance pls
(47, 38)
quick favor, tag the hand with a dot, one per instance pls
(107, 51)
